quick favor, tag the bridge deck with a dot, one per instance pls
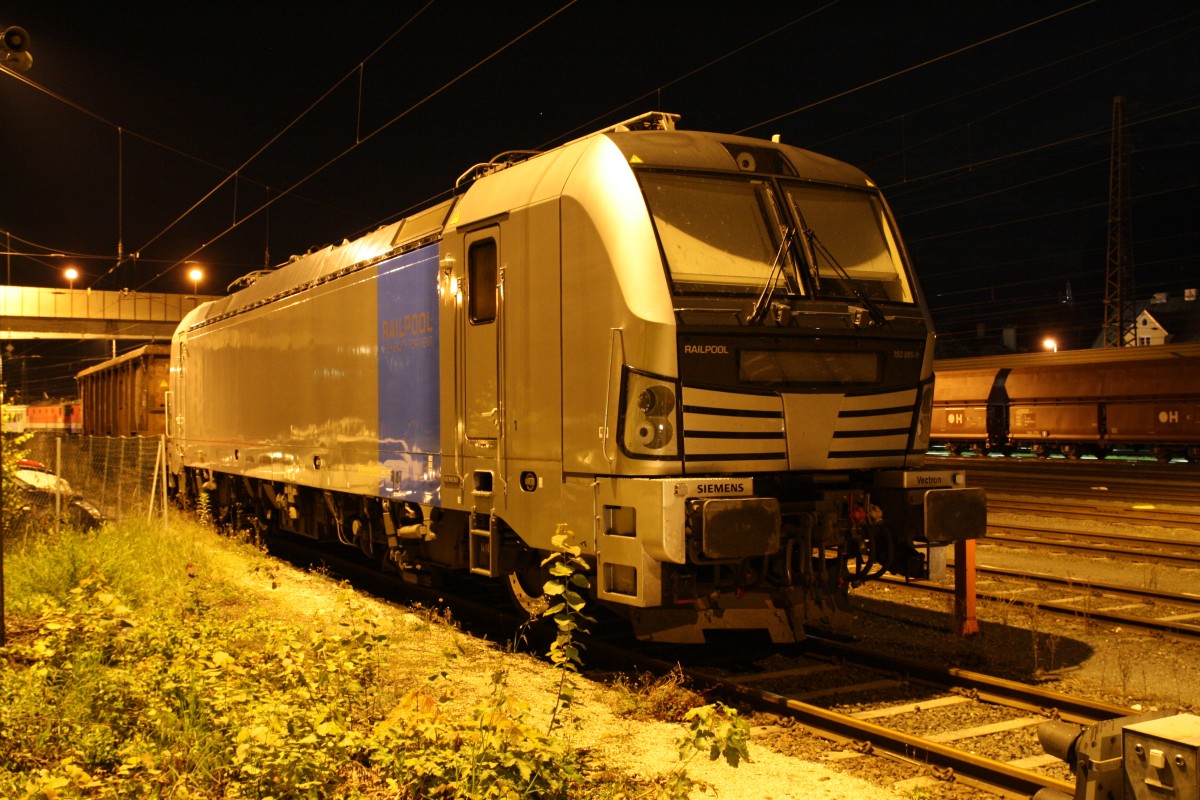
(29, 312)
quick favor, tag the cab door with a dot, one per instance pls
(481, 401)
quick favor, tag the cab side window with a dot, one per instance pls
(481, 281)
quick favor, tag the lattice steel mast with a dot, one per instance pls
(1120, 317)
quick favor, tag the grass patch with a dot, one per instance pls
(667, 698)
(152, 662)
(135, 669)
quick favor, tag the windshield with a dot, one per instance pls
(43, 481)
(718, 235)
(847, 236)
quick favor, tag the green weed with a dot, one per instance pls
(565, 591)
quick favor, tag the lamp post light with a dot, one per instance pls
(195, 274)
(71, 274)
(1050, 344)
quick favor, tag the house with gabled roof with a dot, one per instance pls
(1166, 319)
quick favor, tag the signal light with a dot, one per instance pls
(16, 49)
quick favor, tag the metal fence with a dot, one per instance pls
(122, 476)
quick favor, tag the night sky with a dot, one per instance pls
(238, 135)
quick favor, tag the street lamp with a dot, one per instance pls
(1050, 344)
(195, 274)
(71, 274)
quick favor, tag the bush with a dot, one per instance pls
(235, 708)
(163, 683)
(136, 669)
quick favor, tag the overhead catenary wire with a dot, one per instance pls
(929, 184)
(915, 67)
(360, 140)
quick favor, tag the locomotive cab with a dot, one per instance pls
(741, 374)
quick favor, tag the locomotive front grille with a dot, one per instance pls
(874, 429)
(733, 432)
(740, 432)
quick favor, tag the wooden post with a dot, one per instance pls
(964, 588)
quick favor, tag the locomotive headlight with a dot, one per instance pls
(648, 416)
(656, 434)
(656, 401)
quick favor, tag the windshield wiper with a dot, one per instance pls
(817, 246)
(759, 309)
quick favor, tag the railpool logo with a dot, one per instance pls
(419, 324)
(410, 332)
(706, 349)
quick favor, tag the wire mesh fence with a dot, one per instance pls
(117, 474)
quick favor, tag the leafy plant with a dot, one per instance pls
(716, 729)
(565, 590)
(424, 751)
(204, 511)
(136, 669)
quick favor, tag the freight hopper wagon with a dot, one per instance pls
(706, 356)
(126, 395)
(1072, 403)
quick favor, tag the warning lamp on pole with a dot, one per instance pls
(15, 50)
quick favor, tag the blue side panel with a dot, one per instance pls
(409, 419)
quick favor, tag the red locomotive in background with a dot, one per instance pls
(63, 416)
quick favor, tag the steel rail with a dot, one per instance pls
(1178, 628)
(1069, 540)
(988, 688)
(1076, 508)
(1132, 481)
(1156, 595)
(976, 769)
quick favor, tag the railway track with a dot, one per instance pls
(1162, 550)
(1135, 514)
(1125, 481)
(956, 724)
(1173, 613)
(1157, 602)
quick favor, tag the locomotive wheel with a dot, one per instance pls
(363, 536)
(525, 589)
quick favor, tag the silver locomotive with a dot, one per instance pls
(706, 356)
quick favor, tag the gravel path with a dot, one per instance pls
(1070, 655)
